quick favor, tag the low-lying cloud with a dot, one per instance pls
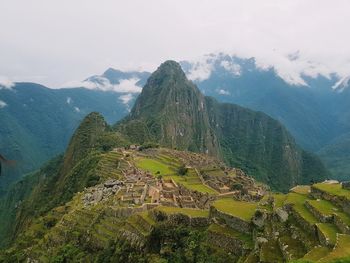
(6, 83)
(3, 104)
(126, 98)
(103, 84)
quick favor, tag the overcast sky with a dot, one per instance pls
(56, 41)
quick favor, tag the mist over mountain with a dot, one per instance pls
(313, 107)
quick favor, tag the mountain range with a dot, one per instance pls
(173, 112)
(154, 187)
(315, 112)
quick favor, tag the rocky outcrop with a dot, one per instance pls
(101, 192)
(282, 214)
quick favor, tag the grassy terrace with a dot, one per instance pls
(316, 253)
(301, 189)
(227, 231)
(186, 211)
(323, 206)
(327, 208)
(192, 181)
(344, 217)
(333, 189)
(279, 199)
(240, 209)
(163, 166)
(147, 218)
(341, 250)
(298, 202)
(154, 166)
(329, 230)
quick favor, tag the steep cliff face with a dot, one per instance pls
(257, 143)
(172, 111)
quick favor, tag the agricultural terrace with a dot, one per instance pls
(240, 209)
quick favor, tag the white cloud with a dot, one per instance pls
(201, 68)
(6, 83)
(103, 84)
(126, 98)
(290, 66)
(69, 100)
(223, 92)
(342, 84)
(268, 30)
(3, 104)
(235, 69)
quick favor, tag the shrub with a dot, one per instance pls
(182, 170)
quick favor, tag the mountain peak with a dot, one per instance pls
(166, 88)
(170, 68)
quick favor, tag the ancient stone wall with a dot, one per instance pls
(337, 200)
(321, 217)
(232, 221)
(344, 228)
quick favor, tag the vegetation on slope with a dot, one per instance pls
(171, 111)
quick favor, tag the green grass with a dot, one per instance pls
(192, 182)
(327, 208)
(227, 231)
(270, 252)
(344, 217)
(147, 218)
(333, 189)
(240, 209)
(154, 166)
(301, 189)
(298, 203)
(316, 253)
(324, 207)
(341, 250)
(279, 199)
(186, 211)
(329, 230)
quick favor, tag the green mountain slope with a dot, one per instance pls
(172, 111)
(37, 123)
(60, 179)
(336, 156)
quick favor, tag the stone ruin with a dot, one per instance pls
(101, 192)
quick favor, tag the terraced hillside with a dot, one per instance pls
(162, 205)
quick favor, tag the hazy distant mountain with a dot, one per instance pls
(37, 122)
(315, 110)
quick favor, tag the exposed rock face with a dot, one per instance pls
(282, 214)
(259, 218)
